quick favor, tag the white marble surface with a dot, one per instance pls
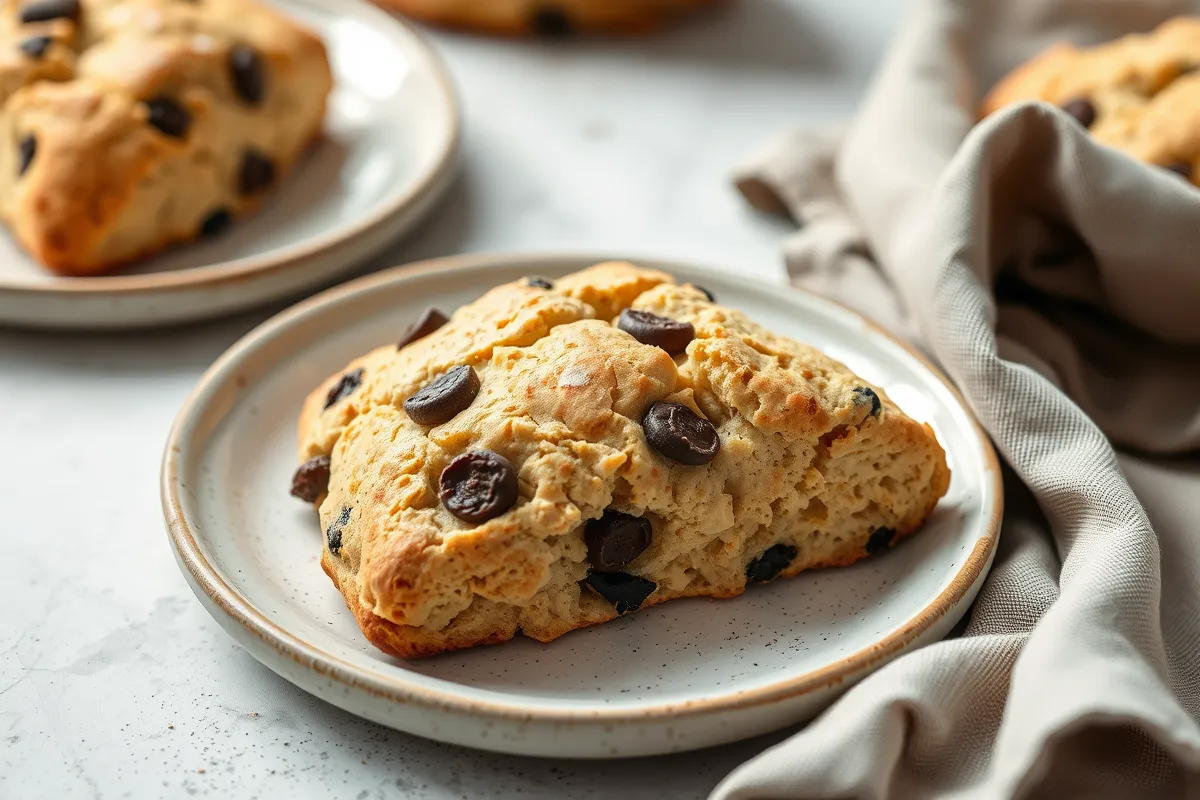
(113, 681)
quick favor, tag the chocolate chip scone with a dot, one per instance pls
(130, 125)
(561, 453)
(548, 17)
(1139, 94)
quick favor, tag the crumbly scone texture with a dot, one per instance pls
(1145, 89)
(104, 186)
(548, 17)
(805, 460)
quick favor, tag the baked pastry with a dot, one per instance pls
(551, 18)
(1139, 94)
(560, 453)
(130, 125)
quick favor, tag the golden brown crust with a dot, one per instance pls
(557, 18)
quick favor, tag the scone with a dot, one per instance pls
(1139, 94)
(130, 125)
(561, 453)
(548, 17)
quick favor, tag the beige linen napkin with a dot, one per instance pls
(1058, 283)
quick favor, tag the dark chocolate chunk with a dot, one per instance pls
(26, 150)
(344, 387)
(880, 540)
(626, 592)
(248, 73)
(311, 479)
(551, 22)
(616, 539)
(216, 222)
(35, 46)
(652, 329)
(479, 485)
(774, 560)
(169, 116)
(1082, 110)
(680, 434)
(864, 395)
(539, 283)
(1181, 168)
(256, 174)
(429, 322)
(444, 397)
(45, 10)
(712, 298)
(333, 534)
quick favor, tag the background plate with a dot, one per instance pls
(389, 151)
(681, 675)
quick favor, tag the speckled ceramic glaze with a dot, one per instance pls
(682, 675)
(389, 152)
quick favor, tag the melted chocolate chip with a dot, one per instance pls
(680, 434)
(626, 592)
(333, 534)
(248, 73)
(429, 322)
(1082, 109)
(774, 560)
(658, 331)
(880, 540)
(26, 150)
(443, 398)
(616, 539)
(45, 10)
(1181, 168)
(256, 174)
(311, 479)
(216, 223)
(864, 395)
(539, 283)
(169, 116)
(35, 46)
(344, 387)
(479, 485)
(712, 298)
(551, 22)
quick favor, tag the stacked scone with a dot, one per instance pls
(129, 125)
(559, 453)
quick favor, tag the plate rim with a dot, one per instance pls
(263, 264)
(205, 577)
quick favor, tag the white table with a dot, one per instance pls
(113, 681)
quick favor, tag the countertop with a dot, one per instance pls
(114, 682)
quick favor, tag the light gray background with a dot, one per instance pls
(113, 681)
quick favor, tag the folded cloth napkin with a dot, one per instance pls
(1058, 283)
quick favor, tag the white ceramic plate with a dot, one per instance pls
(389, 152)
(685, 674)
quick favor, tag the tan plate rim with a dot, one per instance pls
(396, 689)
(274, 260)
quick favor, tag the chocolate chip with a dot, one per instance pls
(333, 534)
(551, 22)
(880, 540)
(45, 10)
(443, 398)
(1082, 110)
(1181, 168)
(680, 434)
(344, 387)
(429, 322)
(478, 485)
(216, 223)
(652, 329)
(311, 479)
(35, 46)
(257, 172)
(539, 283)
(249, 75)
(26, 150)
(626, 592)
(169, 116)
(712, 298)
(864, 395)
(616, 539)
(774, 560)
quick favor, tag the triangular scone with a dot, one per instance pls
(812, 467)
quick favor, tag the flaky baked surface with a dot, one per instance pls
(91, 177)
(541, 18)
(811, 458)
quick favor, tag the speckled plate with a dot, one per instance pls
(389, 151)
(684, 674)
